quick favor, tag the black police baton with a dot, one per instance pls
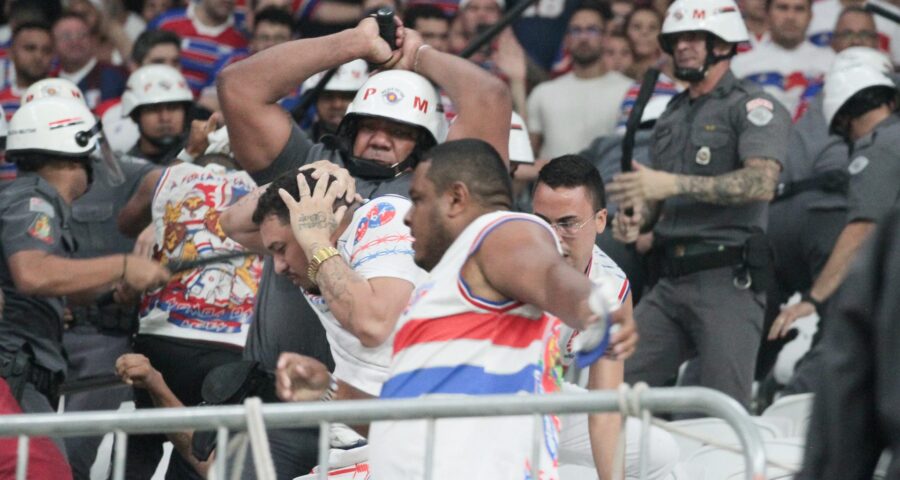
(882, 12)
(487, 35)
(386, 29)
(648, 85)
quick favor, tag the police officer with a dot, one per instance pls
(158, 100)
(51, 141)
(715, 162)
(98, 332)
(333, 101)
(395, 117)
(859, 105)
(810, 207)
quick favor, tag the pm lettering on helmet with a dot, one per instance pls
(699, 14)
(421, 104)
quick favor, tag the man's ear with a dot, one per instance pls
(457, 196)
(600, 221)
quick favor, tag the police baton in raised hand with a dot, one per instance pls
(648, 85)
(386, 29)
(881, 11)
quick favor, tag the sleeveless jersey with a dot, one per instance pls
(449, 343)
(211, 303)
(376, 244)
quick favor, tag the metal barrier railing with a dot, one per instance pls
(224, 419)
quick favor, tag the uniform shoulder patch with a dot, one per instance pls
(759, 103)
(39, 205)
(857, 165)
(40, 229)
(760, 116)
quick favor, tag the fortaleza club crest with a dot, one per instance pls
(377, 216)
(392, 95)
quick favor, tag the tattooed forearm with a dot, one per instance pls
(755, 182)
(337, 282)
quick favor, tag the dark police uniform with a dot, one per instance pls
(98, 335)
(806, 217)
(283, 321)
(873, 192)
(855, 416)
(703, 305)
(33, 217)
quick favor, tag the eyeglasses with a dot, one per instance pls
(586, 31)
(851, 35)
(568, 228)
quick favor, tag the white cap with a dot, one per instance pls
(841, 85)
(349, 77)
(721, 18)
(401, 96)
(154, 84)
(52, 87)
(519, 144)
(55, 125)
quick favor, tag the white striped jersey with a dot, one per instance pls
(450, 342)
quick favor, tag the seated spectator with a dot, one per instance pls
(617, 55)
(77, 49)
(153, 47)
(789, 67)
(31, 53)
(757, 23)
(432, 24)
(565, 114)
(25, 11)
(114, 26)
(208, 35)
(826, 13)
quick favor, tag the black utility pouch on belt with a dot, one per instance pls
(758, 263)
(231, 384)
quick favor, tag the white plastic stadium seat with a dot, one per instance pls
(723, 464)
(718, 430)
(797, 408)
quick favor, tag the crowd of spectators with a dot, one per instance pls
(152, 72)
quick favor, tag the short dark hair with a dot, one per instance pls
(273, 15)
(476, 164)
(423, 10)
(151, 38)
(70, 15)
(769, 4)
(600, 8)
(573, 171)
(854, 9)
(639, 9)
(32, 25)
(270, 202)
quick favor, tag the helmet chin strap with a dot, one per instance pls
(694, 75)
(369, 169)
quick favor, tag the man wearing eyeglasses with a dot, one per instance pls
(569, 195)
(565, 114)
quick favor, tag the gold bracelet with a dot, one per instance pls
(318, 259)
(416, 60)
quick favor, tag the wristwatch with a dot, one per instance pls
(318, 259)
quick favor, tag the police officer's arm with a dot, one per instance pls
(249, 90)
(37, 272)
(483, 102)
(516, 253)
(845, 248)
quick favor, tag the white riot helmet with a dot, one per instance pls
(720, 18)
(53, 126)
(853, 92)
(52, 87)
(855, 56)
(155, 84)
(349, 77)
(399, 96)
(519, 144)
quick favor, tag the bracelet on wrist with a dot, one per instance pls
(807, 297)
(416, 60)
(332, 390)
(318, 258)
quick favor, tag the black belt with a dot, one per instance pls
(107, 317)
(684, 259)
(42, 379)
